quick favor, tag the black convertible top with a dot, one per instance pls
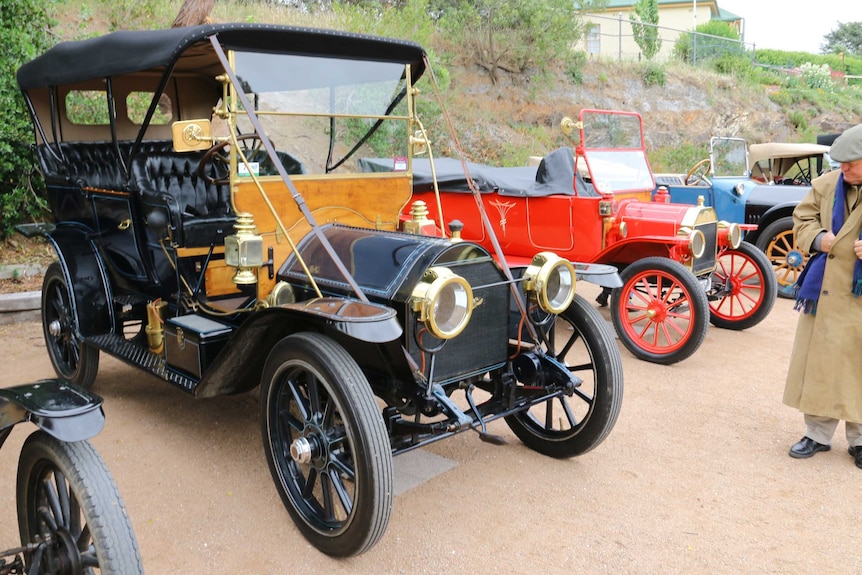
(555, 175)
(131, 51)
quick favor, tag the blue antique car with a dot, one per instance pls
(757, 187)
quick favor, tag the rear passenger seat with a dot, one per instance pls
(177, 201)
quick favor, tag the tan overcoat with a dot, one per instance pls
(825, 373)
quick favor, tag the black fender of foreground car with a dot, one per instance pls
(58, 407)
(365, 330)
(79, 259)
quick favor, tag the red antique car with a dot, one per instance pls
(678, 263)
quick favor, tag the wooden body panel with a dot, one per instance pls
(366, 201)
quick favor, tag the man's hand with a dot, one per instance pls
(826, 241)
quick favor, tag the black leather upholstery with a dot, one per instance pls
(200, 212)
(177, 201)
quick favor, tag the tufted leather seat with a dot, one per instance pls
(199, 212)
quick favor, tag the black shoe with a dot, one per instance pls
(856, 452)
(806, 447)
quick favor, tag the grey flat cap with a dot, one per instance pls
(848, 146)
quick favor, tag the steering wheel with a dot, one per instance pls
(698, 173)
(251, 148)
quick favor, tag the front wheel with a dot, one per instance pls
(785, 256)
(72, 358)
(570, 426)
(660, 312)
(743, 288)
(70, 511)
(326, 444)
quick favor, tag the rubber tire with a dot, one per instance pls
(602, 374)
(88, 483)
(780, 226)
(72, 358)
(767, 292)
(694, 332)
(361, 443)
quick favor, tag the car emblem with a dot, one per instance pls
(503, 209)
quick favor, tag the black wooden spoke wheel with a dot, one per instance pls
(70, 511)
(326, 444)
(569, 426)
(72, 358)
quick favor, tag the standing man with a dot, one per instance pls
(824, 380)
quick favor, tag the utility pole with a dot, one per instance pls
(694, 36)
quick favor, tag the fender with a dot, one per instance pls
(60, 408)
(369, 332)
(79, 259)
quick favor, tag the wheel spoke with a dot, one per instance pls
(344, 497)
(52, 500)
(549, 415)
(326, 489)
(299, 400)
(307, 487)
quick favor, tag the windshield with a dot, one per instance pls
(729, 157)
(613, 146)
(325, 112)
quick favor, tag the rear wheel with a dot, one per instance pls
(72, 358)
(326, 444)
(570, 426)
(743, 288)
(785, 256)
(660, 312)
(70, 510)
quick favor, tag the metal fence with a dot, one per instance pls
(619, 35)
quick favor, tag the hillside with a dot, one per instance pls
(506, 122)
(692, 106)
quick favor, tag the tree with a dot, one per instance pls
(503, 36)
(194, 13)
(644, 21)
(847, 38)
(19, 193)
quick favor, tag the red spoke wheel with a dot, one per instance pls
(743, 288)
(660, 312)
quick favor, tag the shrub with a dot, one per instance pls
(816, 76)
(20, 192)
(653, 74)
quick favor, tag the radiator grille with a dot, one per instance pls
(706, 262)
(483, 344)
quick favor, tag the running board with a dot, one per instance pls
(143, 358)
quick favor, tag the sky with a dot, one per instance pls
(792, 25)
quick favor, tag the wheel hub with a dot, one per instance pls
(795, 259)
(310, 447)
(55, 328)
(62, 554)
(300, 450)
(656, 312)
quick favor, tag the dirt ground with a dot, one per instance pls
(694, 478)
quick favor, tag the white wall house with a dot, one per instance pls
(608, 31)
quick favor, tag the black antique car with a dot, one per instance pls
(212, 229)
(71, 517)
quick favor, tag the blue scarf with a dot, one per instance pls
(811, 279)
